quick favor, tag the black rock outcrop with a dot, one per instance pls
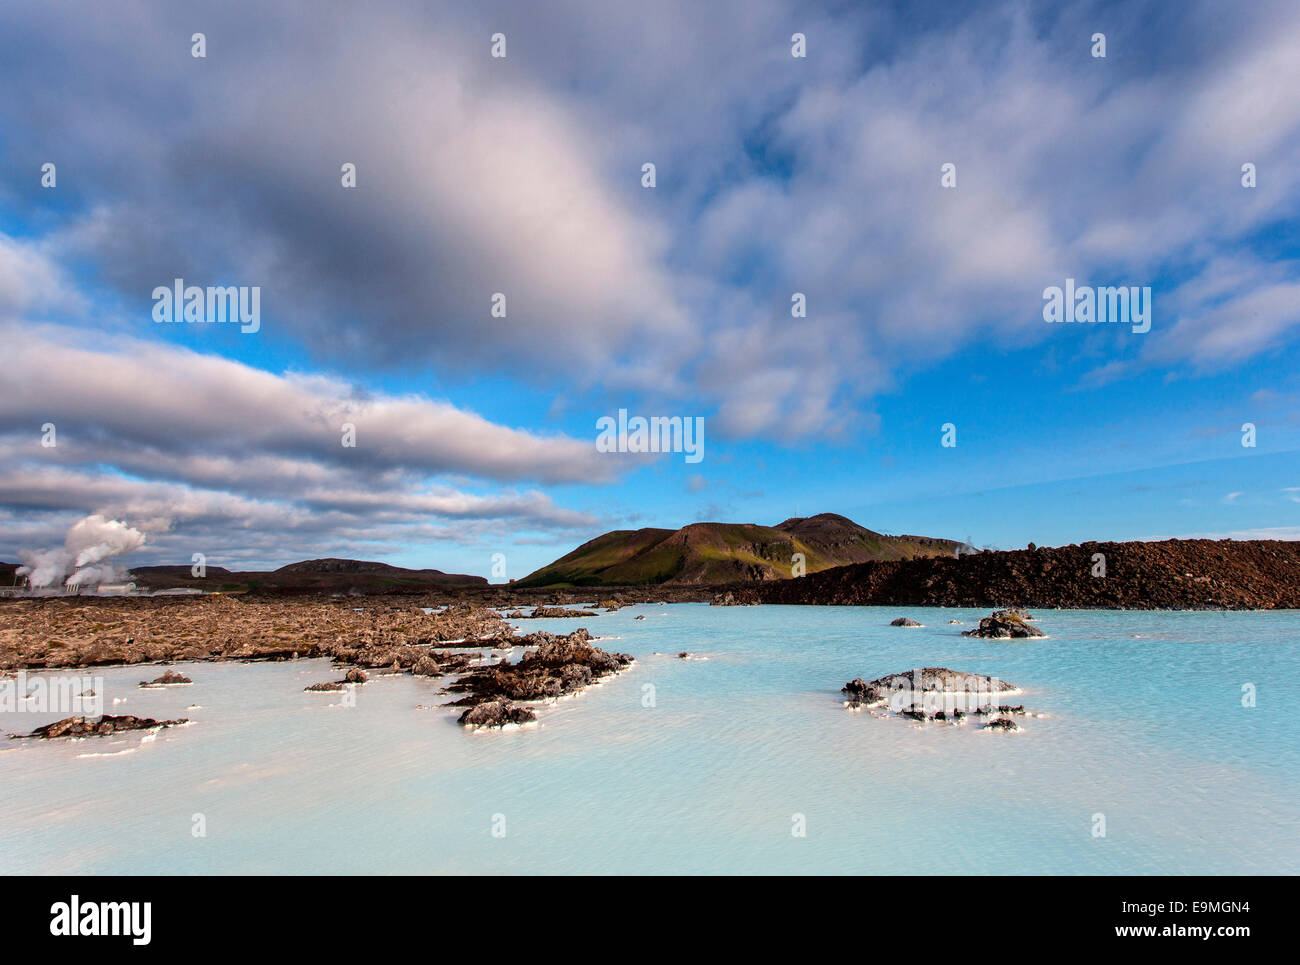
(1004, 625)
(99, 726)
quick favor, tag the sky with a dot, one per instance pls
(823, 175)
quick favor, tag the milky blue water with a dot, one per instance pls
(704, 765)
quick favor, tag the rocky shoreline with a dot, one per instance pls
(383, 635)
(67, 632)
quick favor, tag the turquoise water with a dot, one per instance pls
(1145, 726)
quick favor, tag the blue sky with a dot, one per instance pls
(522, 175)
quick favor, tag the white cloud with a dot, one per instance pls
(521, 176)
(216, 411)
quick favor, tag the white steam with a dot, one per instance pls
(82, 558)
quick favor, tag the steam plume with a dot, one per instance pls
(83, 557)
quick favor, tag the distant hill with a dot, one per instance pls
(308, 576)
(178, 570)
(331, 565)
(704, 553)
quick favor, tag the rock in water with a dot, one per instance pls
(904, 622)
(169, 679)
(426, 666)
(1003, 625)
(558, 666)
(101, 727)
(541, 612)
(927, 679)
(905, 692)
(937, 694)
(327, 687)
(496, 713)
(1013, 611)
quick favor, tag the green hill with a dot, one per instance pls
(705, 553)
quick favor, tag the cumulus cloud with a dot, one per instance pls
(31, 281)
(154, 395)
(469, 183)
(41, 502)
(1234, 308)
(776, 175)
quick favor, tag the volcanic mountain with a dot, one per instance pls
(704, 553)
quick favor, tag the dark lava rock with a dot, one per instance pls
(375, 658)
(905, 695)
(575, 677)
(927, 679)
(684, 655)
(426, 666)
(860, 692)
(329, 686)
(168, 679)
(904, 622)
(1005, 626)
(639, 616)
(355, 676)
(558, 666)
(541, 612)
(99, 727)
(1002, 723)
(1193, 574)
(496, 713)
(730, 599)
(1013, 611)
